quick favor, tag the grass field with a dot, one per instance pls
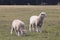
(50, 29)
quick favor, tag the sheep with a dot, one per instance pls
(36, 22)
(19, 27)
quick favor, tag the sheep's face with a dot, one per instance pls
(43, 15)
(24, 32)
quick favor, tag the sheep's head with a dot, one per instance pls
(43, 14)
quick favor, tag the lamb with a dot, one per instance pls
(19, 27)
(36, 22)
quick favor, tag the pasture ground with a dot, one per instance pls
(50, 29)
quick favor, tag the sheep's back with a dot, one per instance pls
(17, 23)
(33, 19)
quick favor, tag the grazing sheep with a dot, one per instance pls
(36, 22)
(19, 27)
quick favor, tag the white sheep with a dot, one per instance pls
(36, 22)
(19, 27)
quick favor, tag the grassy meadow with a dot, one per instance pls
(50, 29)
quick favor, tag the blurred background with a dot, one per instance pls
(29, 2)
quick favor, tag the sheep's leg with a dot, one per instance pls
(21, 32)
(18, 33)
(12, 30)
(39, 28)
(36, 28)
(33, 27)
(30, 27)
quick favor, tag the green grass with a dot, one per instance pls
(50, 29)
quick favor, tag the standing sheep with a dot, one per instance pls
(19, 27)
(36, 22)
